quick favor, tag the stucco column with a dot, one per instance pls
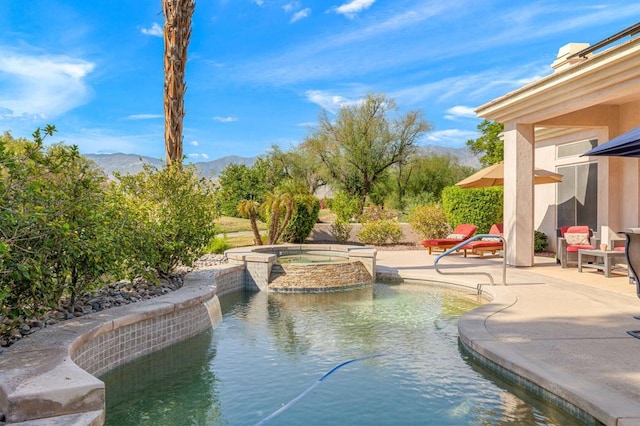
(518, 193)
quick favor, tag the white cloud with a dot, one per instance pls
(352, 8)
(460, 111)
(453, 138)
(194, 143)
(291, 6)
(331, 103)
(225, 119)
(155, 30)
(301, 14)
(144, 116)
(42, 86)
(259, 2)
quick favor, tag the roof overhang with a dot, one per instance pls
(611, 77)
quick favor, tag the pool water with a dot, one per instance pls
(272, 348)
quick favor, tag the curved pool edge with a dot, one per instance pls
(580, 397)
(50, 377)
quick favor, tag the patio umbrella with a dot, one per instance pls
(494, 176)
(625, 145)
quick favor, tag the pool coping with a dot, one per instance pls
(40, 382)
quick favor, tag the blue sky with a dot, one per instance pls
(259, 71)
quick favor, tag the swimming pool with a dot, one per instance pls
(271, 348)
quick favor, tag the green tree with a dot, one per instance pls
(432, 173)
(177, 31)
(300, 164)
(362, 142)
(489, 145)
(240, 182)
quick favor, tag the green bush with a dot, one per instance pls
(172, 214)
(345, 207)
(380, 232)
(539, 241)
(482, 206)
(302, 222)
(429, 221)
(341, 231)
(218, 245)
(59, 229)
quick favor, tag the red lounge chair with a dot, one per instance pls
(571, 239)
(461, 233)
(486, 244)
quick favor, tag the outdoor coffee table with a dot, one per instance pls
(606, 257)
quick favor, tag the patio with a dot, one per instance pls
(563, 330)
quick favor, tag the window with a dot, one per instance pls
(577, 202)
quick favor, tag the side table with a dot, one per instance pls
(607, 259)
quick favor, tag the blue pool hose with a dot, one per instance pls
(289, 404)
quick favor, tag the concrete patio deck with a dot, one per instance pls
(558, 328)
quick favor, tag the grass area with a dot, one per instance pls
(228, 224)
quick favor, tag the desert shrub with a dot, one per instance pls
(380, 232)
(341, 230)
(539, 241)
(302, 221)
(429, 221)
(172, 214)
(379, 226)
(482, 206)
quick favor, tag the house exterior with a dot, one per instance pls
(589, 99)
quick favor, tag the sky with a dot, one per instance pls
(259, 72)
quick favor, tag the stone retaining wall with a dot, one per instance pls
(49, 379)
(258, 261)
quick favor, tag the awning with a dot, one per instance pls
(625, 145)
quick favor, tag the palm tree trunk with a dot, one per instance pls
(177, 31)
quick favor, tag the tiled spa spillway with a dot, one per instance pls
(319, 267)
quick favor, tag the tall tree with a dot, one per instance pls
(489, 144)
(363, 142)
(177, 31)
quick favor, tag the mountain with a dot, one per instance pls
(132, 163)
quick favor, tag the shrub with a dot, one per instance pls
(302, 222)
(218, 245)
(482, 206)
(344, 206)
(381, 231)
(539, 241)
(172, 214)
(429, 221)
(59, 230)
(341, 230)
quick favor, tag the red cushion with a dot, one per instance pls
(466, 229)
(574, 249)
(497, 228)
(437, 242)
(483, 243)
(619, 249)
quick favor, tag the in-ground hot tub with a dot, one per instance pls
(306, 267)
